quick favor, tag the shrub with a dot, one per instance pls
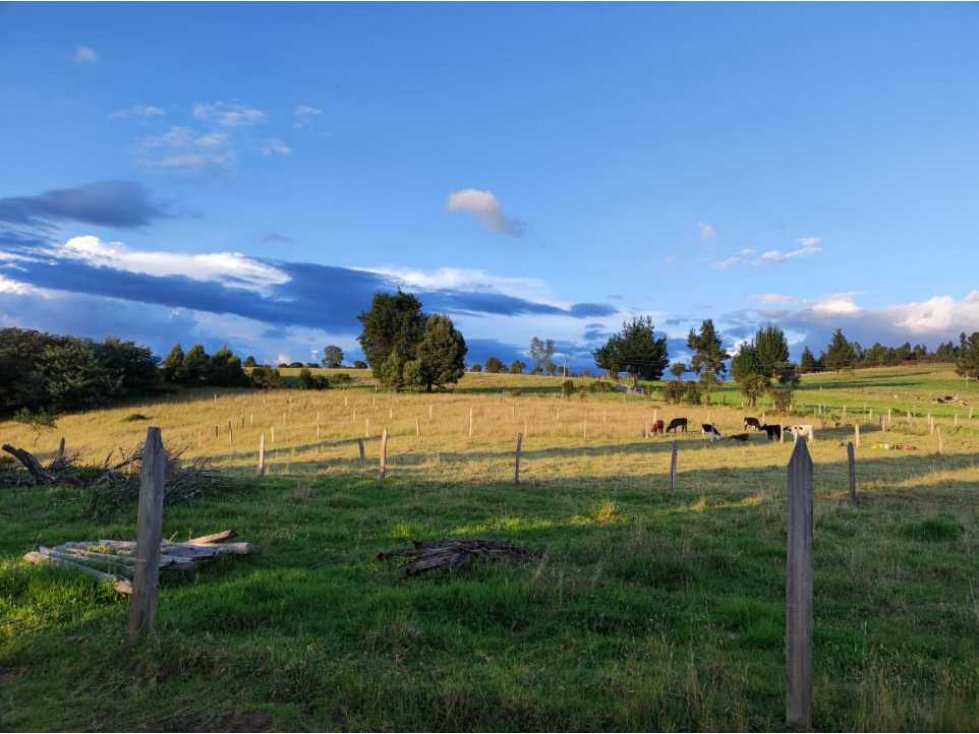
(673, 392)
(360, 364)
(781, 397)
(476, 368)
(567, 388)
(341, 379)
(601, 386)
(691, 393)
(36, 419)
(266, 378)
(133, 417)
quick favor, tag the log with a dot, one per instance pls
(217, 537)
(33, 466)
(120, 584)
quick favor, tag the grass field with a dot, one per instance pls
(645, 609)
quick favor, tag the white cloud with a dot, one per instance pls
(808, 246)
(228, 115)
(486, 206)
(182, 148)
(463, 279)
(11, 287)
(274, 146)
(774, 298)
(230, 269)
(84, 55)
(707, 231)
(305, 115)
(726, 263)
(836, 304)
(938, 314)
(140, 110)
(747, 251)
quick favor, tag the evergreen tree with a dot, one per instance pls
(394, 324)
(517, 367)
(707, 350)
(494, 364)
(839, 354)
(173, 365)
(967, 364)
(196, 367)
(808, 362)
(772, 350)
(441, 353)
(636, 350)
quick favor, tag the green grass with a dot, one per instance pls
(645, 610)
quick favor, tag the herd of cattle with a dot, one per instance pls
(679, 425)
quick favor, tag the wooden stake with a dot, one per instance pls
(360, 447)
(673, 451)
(61, 450)
(384, 453)
(430, 413)
(418, 430)
(856, 435)
(798, 591)
(149, 529)
(470, 423)
(939, 440)
(261, 455)
(367, 427)
(851, 463)
(516, 460)
(272, 434)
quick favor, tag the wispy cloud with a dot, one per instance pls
(775, 298)
(184, 149)
(485, 206)
(121, 204)
(727, 263)
(84, 55)
(145, 111)
(227, 114)
(808, 246)
(305, 114)
(707, 231)
(274, 146)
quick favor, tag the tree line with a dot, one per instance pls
(842, 354)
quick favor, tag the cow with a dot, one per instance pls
(772, 431)
(750, 422)
(709, 429)
(677, 423)
(657, 427)
(738, 437)
(801, 430)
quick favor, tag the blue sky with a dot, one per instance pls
(250, 174)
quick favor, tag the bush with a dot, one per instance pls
(360, 364)
(308, 381)
(476, 368)
(266, 378)
(782, 397)
(601, 386)
(673, 392)
(341, 379)
(36, 419)
(691, 393)
(567, 388)
(133, 417)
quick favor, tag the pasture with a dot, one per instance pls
(645, 608)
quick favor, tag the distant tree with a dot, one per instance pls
(225, 370)
(394, 324)
(839, 354)
(360, 364)
(706, 346)
(250, 361)
(607, 358)
(745, 362)
(173, 365)
(707, 383)
(74, 379)
(133, 369)
(476, 367)
(517, 367)
(677, 369)
(196, 366)
(636, 350)
(494, 364)
(772, 350)
(266, 378)
(541, 351)
(753, 386)
(967, 363)
(332, 356)
(808, 362)
(441, 353)
(309, 381)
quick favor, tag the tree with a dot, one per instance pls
(225, 370)
(250, 361)
(677, 369)
(745, 362)
(493, 364)
(196, 366)
(541, 351)
(967, 364)
(808, 362)
(394, 324)
(707, 350)
(607, 357)
(636, 350)
(266, 378)
(772, 350)
(517, 367)
(441, 353)
(840, 354)
(132, 368)
(477, 367)
(332, 356)
(173, 365)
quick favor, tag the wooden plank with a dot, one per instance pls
(851, 463)
(798, 591)
(149, 528)
(120, 584)
(217, 537)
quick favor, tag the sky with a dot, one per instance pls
(250, 174)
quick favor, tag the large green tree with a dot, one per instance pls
(635, 350)
(441, 354)
(772, 349)
(839, 354)
(707, 352)
(332, 356)
(173, 365)
(394, 325)
(967, 364)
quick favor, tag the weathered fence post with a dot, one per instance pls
(149, 530)
(856, 435)
(673, 466)
(384, 452)
(61, 450)
(418, 428)
(261, 455)
(798, 591)
(516, 459)
(470, 423)
(939, 429)
(851, 463)
(360, 447)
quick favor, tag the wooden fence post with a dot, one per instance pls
(851, 463)
(939, 429)
(261, 455)
(673, 451)
(798, 591)
(418, 429)
(384, 452)
(61, 450)
(149, 530)
(516, 459)
(470, 423)
(360, 447)
(856, 435)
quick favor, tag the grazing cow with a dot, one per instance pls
(772, 431)
(709, 429)
(801, 430)
(750, 422)
(738, 437)
(677, 423)
(658, 427)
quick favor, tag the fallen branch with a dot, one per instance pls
(451, 555)
(26, 458)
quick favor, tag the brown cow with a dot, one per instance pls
(657, 427)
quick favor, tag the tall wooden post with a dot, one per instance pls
(384, 453)
(61, 450)
(418, 429)
(673, 451)
(516, 459)
(470, 423)
(798, 591)
(851, 463)
(360, 448)
(939, 429)
(149, 530)
(856, 435)
(261, 455)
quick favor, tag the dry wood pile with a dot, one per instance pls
(450, 555)
(114, 560)
(117, 479)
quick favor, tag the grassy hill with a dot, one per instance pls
(642, 608)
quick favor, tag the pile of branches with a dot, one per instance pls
(116, 481)
(450, 555)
